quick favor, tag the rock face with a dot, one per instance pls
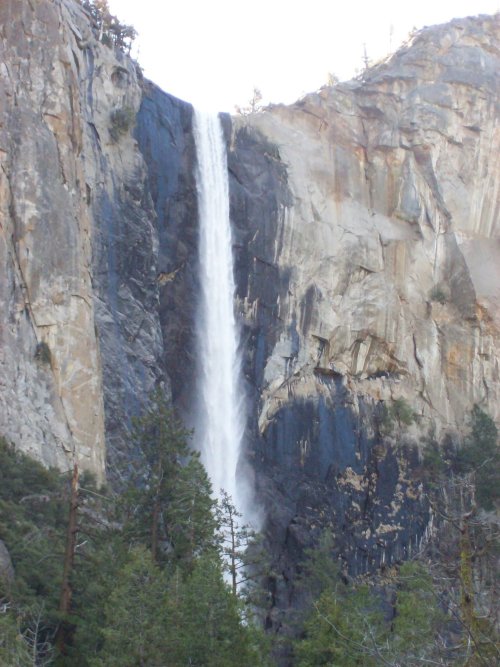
(164, 134)
(51, 381)
(367, 247)
(81, 343)
(386, 242)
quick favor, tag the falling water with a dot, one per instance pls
(221, 418)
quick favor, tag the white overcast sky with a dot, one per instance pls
(213, 52)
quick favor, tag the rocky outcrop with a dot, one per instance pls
(51, 392)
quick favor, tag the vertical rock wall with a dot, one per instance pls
(164, 134)
(368, 220)
(81, 343)
(390, 246)
(50, 386)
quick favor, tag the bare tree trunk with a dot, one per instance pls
(233, 552)
(155, 518)
(64, 631)
(466, 577)
(154, 530)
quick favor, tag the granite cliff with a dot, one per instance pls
(81, 338)
(366, 222)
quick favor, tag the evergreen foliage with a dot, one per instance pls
(398, 412)
(437, 294)
(121, 120)
(321, 570)
(106, 553)
(242, 553)
(460, 483)
(14, 650)
(32, 522)
(481, 455)
(418, 619)
(134, 620)
(43, 353)
(108, 29)
(169, 506)
(147, 580)
(148, 575)
(434, 462)
(207, 620)
(347, 626)
(345, 629)
(476, 463)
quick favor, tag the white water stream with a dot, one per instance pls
(221, 409)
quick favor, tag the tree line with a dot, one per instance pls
(136, 578)
(162, 575)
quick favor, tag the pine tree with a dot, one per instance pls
(169, 507)
(109, 30)
(133, 616)
(414, 638)
(480, 455)
(345, 629)
(349, 624)
(14, 651)
(243, 558)
(209, 629)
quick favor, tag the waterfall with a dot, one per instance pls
(221, 415)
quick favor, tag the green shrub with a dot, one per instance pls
(121, 122)
(33, 515)
(43, 353)
(438, 295)
(108, 28)
(399, 412)
(434, 464)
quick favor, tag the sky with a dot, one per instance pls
(213, 53)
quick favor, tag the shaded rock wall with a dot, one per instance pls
(166, 142)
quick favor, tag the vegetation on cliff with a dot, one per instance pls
(108, 28)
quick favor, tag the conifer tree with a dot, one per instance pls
(235, 539)
(14, 650)
(133, 616)
(480, 455)
(169, 507)
(208, 623)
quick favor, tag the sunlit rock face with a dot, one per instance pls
(51, 406)
(79, 327)
(368, 271)
(391, 206)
